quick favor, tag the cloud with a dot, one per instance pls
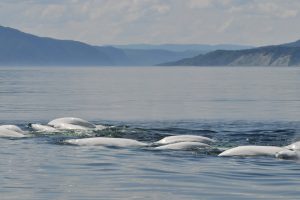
(225, 26)
(276, 10)
(53, 12)
(267, 8)
(256, 22)
(199, 4)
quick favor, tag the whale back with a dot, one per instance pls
(12, 128)
(71, 123)
(252, 151)
(106, 141)
(42, 128)
(71, 127)
(184, 138)
(7, 132)
(183, 146)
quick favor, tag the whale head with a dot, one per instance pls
(288, 154)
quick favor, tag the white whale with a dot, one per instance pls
(72, 123)
(66, 123)
(252, 151)
(183, 146)
(12, 128)
(101, 127)
(43, 128)
(294, 146)
(106, 141)
(11, 131)
(288, 154)
(184, 138)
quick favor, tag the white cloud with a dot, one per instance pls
(161, 8)
(267, 8)
(199, 3)
(225, 26)
(255, 22)
(276, 10)
(53, 11)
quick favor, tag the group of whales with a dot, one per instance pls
(56, 125)
(177, 142)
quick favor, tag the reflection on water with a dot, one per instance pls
(235, 106)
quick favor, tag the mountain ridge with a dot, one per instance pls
(274, 55)
(21, 49)
(18, 48)
(203, 48)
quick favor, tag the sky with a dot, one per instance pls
(102, 22)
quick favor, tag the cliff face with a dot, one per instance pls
(279, 55)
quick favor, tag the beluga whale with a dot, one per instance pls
(291, 151)
(12, 131)
(184, 138)
(252, 150)
(66, 123)
(294, 146)
(42, 128)
(288, 155)
(183, 146)
(71, 123)
(106, 142)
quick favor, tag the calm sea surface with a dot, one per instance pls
(234, 105)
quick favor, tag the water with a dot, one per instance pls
(235, 106)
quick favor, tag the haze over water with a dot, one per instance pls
(233, 105)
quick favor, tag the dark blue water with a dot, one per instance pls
(235, 106)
